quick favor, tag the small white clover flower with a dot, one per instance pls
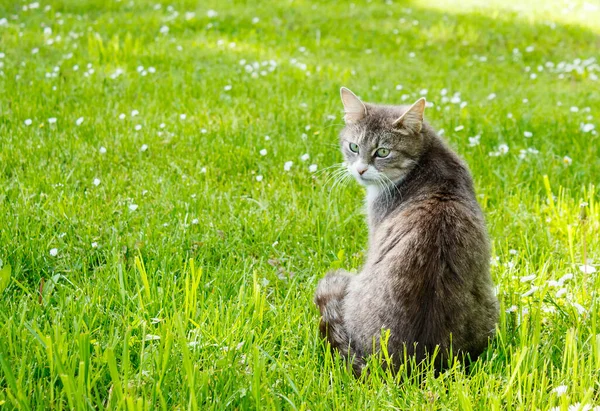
(305, 157)
(28, 122)
(96, 182)
(212, 14)
(162, 125)
(144, 147)
(195, 221)
(527, 278)
(54, 252)
(79, 121)
(133, 207)
(227, 87)
(134, 113)
(255, 20)
(138, 127)
(94, 245)
(259, 178)
(288, 165)
(164, 30)
(503, 149)
(491, 96)
(574, 109)
(312, 168)
(567, 160)
(560, 293)
(52, 120)
(263, 152)
(102, 150)
(474, 141)
(528, 134)
(182, 116)
(586, 128)
(587, 269)
(122, 116)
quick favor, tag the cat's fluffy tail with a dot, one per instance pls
(329, 297)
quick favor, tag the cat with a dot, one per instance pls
(426, 277)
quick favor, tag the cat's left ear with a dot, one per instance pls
(411, 121)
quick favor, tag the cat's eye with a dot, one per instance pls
(353, 147)
(382, 152)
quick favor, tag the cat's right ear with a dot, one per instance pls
(354, 108)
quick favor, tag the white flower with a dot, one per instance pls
(28, 122)
(94, 245)
(586, 128)
(79, 121)
(527, 278)
(529, 49)
(532, 290)
(561, 292)
(195, 221)
(227, 87)
(263, 152)
(288, 165)
(503, 148)
(162, 125)
(267, 138)
(122, 116)
(35, 50)
(182, 116)
(54, 252)
(459, 128)
(52, 120)
(133, 207)
(567, 160)
(144, 147)
(96, 182)
(564, 278)
(134, 113)
(164, 30)
(533, 76)
(528, 134)
(259, 178)
(574, 109)
(560, 390)
(138, 127)
(255, 20)
(312, 168)
(587, 269)
(211, 14)
(203, 170)
(102, 150)
(491, 96)
(151, 70)
(203, 130)
(305, 157)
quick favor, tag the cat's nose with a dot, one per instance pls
(361, 171)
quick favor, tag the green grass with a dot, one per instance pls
(202, 296)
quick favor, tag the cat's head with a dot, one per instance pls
(381, 144)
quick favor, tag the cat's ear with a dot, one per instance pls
(354, 108)
(411, 121)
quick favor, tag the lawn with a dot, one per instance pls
(166, 207)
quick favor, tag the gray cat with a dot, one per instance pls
(426, 278)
